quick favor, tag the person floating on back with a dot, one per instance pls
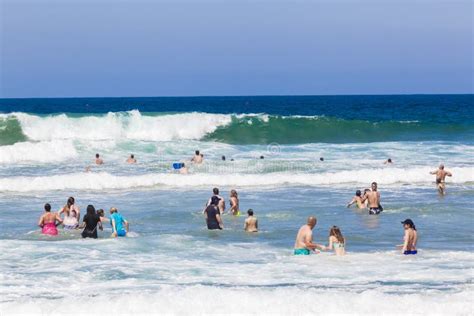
(49, 221)
(441, 175)
(131, 159)
(213, 216)
(304, 239)
(357, 199)
(373, 197)
(98, 160)
(251, 222)
(336, 241)
(120, 226)
(410, 238)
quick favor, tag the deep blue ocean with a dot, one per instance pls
(47, 148)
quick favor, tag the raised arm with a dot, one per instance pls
(351, 202)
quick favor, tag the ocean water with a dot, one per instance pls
(170, 263)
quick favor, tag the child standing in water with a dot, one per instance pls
(336, 241)
(410, 238)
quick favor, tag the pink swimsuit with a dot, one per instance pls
(50, 229)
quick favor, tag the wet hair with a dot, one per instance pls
(321, 159)
(223, 158)
(250, 212)
(215, 191)
(97, 156)
(90, 209)
(47, 207)
(197, 152)
(389, 159)
(100, 212)
(70, 201)
(132, 156)
(233, 193)
(261, 157)
(358, 193)
(336, 232)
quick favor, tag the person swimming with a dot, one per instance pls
(120, 226)
(98, 160)
(410, 238)
(357, 199)
(336, 241)
(304, 239)
(131, 159)
(198, 157)
(90, 223)
(234, 203)
(251, 222)
(49, 221)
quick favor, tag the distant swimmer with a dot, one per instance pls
(213, 216)
(357, 199)
(304, 239)
(441, 175)
(234, 203)
(373, 197)
(131, 159)
(410, 238)
(388, 161)
(98, 160)
(223, 158)
(262, 157)
(251, 222)
(198, 157)
(336, 241)
(221, 202)
(321, 159)
(120, 226)
(90, 222)
(49, 221)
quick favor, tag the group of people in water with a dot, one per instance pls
(69, 217)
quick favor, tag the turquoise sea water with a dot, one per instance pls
(170, 263)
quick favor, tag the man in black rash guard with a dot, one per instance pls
(213, 216)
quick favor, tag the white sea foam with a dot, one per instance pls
(48, 151)
(122, 125)
(104, 180)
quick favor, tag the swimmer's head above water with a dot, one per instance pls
(441, 167)
(312, 221)
(250, 212)
(358, 193)
(215, 191)
(374, 186)
(47, 207)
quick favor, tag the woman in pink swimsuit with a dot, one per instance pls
(48, 220)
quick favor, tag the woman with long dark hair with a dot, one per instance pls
(91, 222)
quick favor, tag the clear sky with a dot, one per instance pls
(229, 47)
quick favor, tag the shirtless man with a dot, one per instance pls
(221, 204)
(198, 157)
(251, 222)
(410, 238)
(440, 178)
(304, 239)
(98, 160)
(374, 200)
(357, 199)
(131, 159)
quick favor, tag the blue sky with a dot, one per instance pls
(180, 48)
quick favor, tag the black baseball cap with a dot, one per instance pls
(408, 222)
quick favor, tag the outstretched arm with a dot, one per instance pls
(351, 202)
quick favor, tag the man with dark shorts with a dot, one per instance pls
(373, 197)
(441, 175)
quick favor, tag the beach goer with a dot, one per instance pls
(101, 214)
(304, 239)
(213, 216)
(120, 226)
(441, 175)
(251, 222)
(223, 158)
(410, 238)
(221, 203)
(373, 197)
(131, 159)
(183, 169)
(49, 221)
(98, 160)
(90, 222)
(198, 157)
(262, 157)
(388, 161)
(234, 203)
(71, 213)
(357, 199)
(321, 159)
(336, 241)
